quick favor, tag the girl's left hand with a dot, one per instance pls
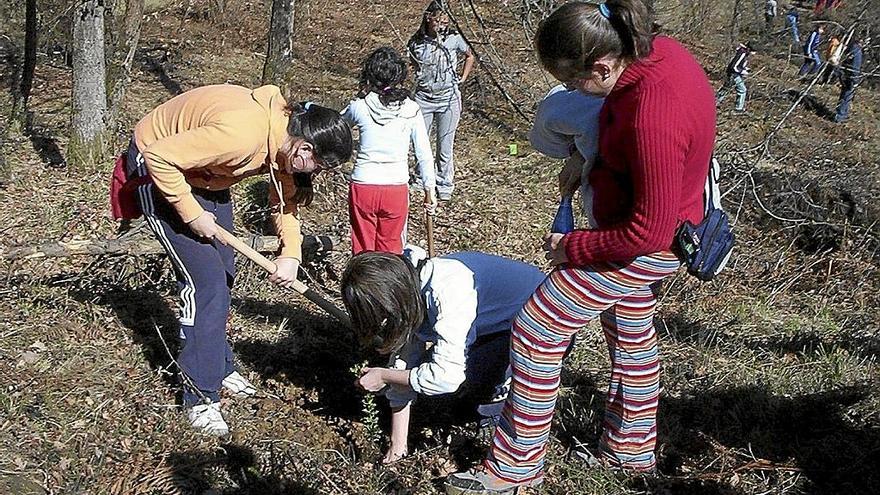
(555, 249)
(372, 380)
(285, 272)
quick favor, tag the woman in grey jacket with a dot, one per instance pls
(433, 52)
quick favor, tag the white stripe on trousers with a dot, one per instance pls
(188, 293)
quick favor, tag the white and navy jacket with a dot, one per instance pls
(468, 295)
(739, 64)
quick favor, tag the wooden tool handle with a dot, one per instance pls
(268, 265)
(429, 226)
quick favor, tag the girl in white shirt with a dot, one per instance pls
(388, 121)
(461, 303)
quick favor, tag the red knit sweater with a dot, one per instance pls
(656, 134)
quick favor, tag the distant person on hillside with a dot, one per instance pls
(657, 133)
(567, 127)
(389, 121)
(770, 12)
(850, 78)
(462, 303)
(791, 19)
(433, 51)
(192, 149)
(812, 59)
(831, 69)
(737, 70)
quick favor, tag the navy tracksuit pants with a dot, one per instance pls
(205, 271)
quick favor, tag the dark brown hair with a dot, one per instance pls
(575, 35)
(382, 73)
(329, 135)
(382, 293)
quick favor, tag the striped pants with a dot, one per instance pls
(567, 300)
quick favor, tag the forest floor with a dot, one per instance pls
(770, 373)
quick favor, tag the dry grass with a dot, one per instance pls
(769, 373)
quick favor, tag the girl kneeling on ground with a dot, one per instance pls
(388, 120)
(193, 148)
(657, 132)
(463, 303)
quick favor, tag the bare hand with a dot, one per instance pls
(372, 380)
(205, 226)
(555, 249)
(285, 272)
(394, 454)
(430, 202)
(570, 175)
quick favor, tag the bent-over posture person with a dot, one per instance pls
(193, 148)
(462, 303)
(657, 132)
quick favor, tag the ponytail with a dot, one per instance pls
(577, 34)
(382, 73)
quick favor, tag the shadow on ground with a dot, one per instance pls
(192, 472)
(144, 312)
(809, 432)
(315, 353)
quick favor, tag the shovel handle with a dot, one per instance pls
(429, 226)
(268, 265)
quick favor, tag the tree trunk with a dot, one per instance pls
(21, 89)
(88, 125)
(734, 23)
(134, 14)
(279, 56)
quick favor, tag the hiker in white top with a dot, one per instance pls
(388, 121)
(433, 53)
(462, 303)
(567, 127)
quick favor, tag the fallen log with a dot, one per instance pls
(314, 246)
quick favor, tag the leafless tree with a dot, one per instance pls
(21, 89)
(126, 49)
(89, 100)
(279, 55)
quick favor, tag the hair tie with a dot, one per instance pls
(604, 10)
(307, 105)
(386, 89)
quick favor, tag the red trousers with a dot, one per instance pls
(378, 217)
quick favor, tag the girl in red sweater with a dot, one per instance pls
(656, 134)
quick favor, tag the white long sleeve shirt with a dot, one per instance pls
(385, 136)
(468, 295)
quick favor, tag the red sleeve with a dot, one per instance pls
(656, 156)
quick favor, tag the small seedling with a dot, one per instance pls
(369, 409)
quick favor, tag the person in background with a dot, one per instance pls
(737, 70)
(850, 78)
(770, 13)
(791, 19)
(463, 303)
(812, 59)
(831, 70)
(193, 148)
(656, 136)
(567, 127)
(389, 121)
(433, 52)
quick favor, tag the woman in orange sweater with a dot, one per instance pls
(193, 148)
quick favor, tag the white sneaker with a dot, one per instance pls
(207, 419)
(239, 385)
